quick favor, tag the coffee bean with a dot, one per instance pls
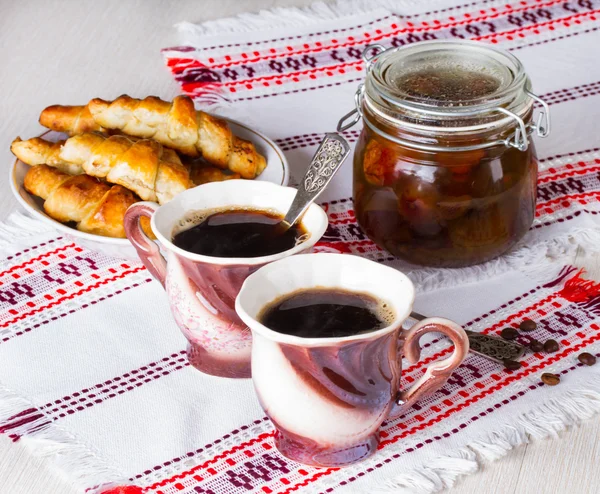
(536, 346)
(527, 325)
(512, 364)
(587, 358)
(509, 333)
(551, 346)
(550, 379)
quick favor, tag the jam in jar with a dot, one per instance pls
(444, 171)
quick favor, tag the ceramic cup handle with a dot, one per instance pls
(438, 372)
(147, 250)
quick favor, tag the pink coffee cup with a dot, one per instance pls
(327, 397)
(202, 289)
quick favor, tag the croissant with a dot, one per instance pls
(95, 206)
(177, 125)
(37, 151)
(144, 166)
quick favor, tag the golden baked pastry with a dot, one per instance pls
(144, 166)
(37, 151)
(174, 124)
(96, 207)
(71, 120)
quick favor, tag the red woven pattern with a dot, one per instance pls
(266, 70)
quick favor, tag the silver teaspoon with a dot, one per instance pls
(328, 159)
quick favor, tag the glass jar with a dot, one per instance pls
(444, 171)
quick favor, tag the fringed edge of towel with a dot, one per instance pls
(534, 258)
(547, 420)
(80, 464)
(19, 226)
(290, 17)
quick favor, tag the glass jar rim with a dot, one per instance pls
(380, 87)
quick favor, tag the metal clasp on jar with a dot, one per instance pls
(519, 139)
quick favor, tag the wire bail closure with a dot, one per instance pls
(519, 139)
(543, 123)
(356, 113)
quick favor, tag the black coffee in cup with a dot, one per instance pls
(326, 313)
(242, 233)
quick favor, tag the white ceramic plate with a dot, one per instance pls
(277, 171)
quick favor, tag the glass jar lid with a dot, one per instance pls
(445, 87)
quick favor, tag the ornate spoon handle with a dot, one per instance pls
(325, 163)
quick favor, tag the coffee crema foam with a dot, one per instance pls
(385, 313)
(382, 310)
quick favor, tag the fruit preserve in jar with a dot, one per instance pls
(444, 171)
